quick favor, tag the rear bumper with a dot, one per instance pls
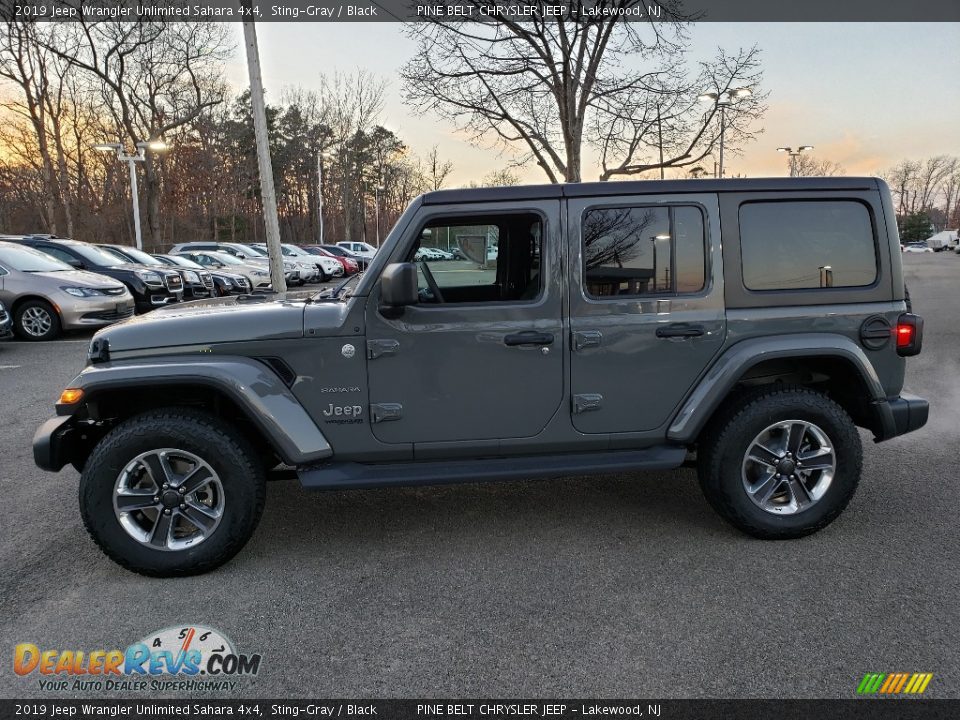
(902, 415)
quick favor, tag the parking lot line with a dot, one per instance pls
(9, 367)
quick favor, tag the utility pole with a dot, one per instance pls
(267, 191)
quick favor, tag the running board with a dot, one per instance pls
(335, 475)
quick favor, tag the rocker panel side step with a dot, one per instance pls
(338, 475)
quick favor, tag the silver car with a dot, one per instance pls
(46, 296)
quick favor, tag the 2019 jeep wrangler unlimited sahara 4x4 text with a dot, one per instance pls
(618, 327)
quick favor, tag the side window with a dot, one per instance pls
(486, 258)
(3, 271)
(643, 250)
(793, 245)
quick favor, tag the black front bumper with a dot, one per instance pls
(54, 443)
(903, 414)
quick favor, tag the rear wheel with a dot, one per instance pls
(36, 320)
(172, 492)
(780, 463)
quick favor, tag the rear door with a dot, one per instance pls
(646, 306)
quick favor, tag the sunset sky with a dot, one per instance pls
(865, 95)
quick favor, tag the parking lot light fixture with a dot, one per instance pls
(794, 154)
(154, 145)
(723, 100)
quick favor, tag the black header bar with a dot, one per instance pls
(484, 11)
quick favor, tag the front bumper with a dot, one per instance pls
(52, 443)
(95, 312)
(901, 415)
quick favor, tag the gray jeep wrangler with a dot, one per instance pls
(747, 326)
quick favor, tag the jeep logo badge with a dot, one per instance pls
(348, 351)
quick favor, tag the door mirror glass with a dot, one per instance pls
(398, 288)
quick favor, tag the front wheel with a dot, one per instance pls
(780, 463)
(172, 492)
(36, 320)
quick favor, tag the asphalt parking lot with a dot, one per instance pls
(620, 586)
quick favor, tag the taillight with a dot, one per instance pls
(909, 332)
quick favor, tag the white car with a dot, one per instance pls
(359, 248)
(917, 247)
(258, 275)
(432, 254)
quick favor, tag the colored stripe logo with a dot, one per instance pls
(894, 683)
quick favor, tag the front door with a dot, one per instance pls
(646, 306)
(481, 357)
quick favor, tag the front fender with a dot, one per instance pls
(263, 397)
(732, 364)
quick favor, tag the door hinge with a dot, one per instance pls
(586, 338)
(385, 412)
(377, 348)
(587, 402)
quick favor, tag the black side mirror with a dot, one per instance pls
(399, 287)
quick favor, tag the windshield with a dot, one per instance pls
(251, 251)
(293, 250)
(98, 256)
(225, 258)
(137, 255)
(184, 262)
(28, 260)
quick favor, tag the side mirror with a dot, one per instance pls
(74, 262)
(399, 287)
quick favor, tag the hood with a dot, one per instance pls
(208, 322)
(80, 278)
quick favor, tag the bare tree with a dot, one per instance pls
(435, 170)
(544, 83)
(152, 77)
(810, 166)
(40, 79)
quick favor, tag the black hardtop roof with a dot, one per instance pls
(646, 187)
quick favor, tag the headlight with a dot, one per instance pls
(81, 291)
(259, 273)
(191, 276)
(150, 278)
(226, 281)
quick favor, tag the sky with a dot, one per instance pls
(865, 95)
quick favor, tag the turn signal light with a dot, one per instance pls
(70, 396)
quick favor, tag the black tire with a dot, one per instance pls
(37, 309)
(218, 444)
(728, 437)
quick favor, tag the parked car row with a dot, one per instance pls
(50, 284)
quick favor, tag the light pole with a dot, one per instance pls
(131, 160)
(794, 154)
(723, 101)
(320, 158)
(379, 189)
(653, 239)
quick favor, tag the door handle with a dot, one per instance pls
(680, 330)
(528, 337)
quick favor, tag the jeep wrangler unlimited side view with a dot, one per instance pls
(750, 324)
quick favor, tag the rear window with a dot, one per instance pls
(795, 245)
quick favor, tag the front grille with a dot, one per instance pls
(109, 314)
(174, 282)
(113, 290)
(207, 279)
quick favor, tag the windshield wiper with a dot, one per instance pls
(335, 293)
